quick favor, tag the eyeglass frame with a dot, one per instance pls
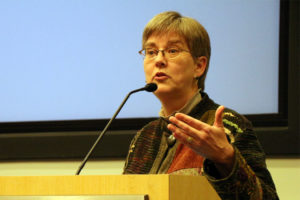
(163, 52)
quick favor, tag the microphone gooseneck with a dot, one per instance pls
(150, 87)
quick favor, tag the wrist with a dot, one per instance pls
(225, 165)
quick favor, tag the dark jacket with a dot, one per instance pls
(249, 178)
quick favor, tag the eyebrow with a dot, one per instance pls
(170, 42)
(175, 42)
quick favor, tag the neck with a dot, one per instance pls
(173, 103)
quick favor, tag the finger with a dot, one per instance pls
(181, 135)
(218, 117)
(186, 128)
(177, 132)
(197, 124)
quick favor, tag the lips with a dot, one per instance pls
(160, 76)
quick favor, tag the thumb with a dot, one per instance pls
(218, 117)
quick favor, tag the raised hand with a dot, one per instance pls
(209, 141)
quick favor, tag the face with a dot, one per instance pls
(174, 77)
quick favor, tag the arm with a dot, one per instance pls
(236, 170)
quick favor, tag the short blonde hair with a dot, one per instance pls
(191, 30)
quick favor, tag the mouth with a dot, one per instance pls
(160, 76)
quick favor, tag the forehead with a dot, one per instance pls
(165, 39)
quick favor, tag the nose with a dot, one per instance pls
(160, 60)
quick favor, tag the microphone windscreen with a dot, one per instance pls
(150, 87)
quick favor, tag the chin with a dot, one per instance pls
(163, 90)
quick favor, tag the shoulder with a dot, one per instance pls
(151, 126)
(234, 123)
(148, 131)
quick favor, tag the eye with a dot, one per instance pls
(151, 52)
(173, 50)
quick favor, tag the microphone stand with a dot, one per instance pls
(106, 127)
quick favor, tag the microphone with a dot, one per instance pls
(150, 87)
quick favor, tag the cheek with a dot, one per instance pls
(148, 72)
(184, 72)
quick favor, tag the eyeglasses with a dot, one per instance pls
(169, 53)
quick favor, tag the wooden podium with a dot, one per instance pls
(156, 187)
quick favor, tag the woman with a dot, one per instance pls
(194, 135)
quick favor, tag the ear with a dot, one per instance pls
(201, 63)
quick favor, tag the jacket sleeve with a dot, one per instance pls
(249, 178)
